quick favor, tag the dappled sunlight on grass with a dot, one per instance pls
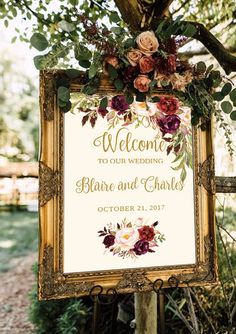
(18, 236)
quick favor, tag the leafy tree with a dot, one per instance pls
(60, 23)
(19, 111)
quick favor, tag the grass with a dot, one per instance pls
(18, 236)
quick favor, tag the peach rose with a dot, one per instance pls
(147, 42)
(112, 60)
(146, 64)
(179, 82)
(126, 237)
(141, 83)
(133, 56)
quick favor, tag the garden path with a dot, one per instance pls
(15, 286)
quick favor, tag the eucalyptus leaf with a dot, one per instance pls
(233, 95)
(92, 71)
(190, 30)
(119, 84)
(84, 63)
(217, 96)
(63, 93)
(38, 41)
(112, 72)
(226, 89)
(114, 17)
(227, 107)
(233, 115)
(67, 107)
(38, 60)
(72, 73)
(129, 43)
(129, 98)
(201, 66)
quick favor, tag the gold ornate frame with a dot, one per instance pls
(53, 283)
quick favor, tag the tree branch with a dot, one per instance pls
(133, 11)
(130, 12)
(225, 59)
(161, 8)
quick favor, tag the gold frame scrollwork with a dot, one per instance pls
(53, 283)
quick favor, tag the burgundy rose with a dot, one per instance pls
(130, 73)
(166, 65)
(168, 105)
(119, 103)
(141, 247)
(146, 233)
(169, 124)
(109, 240)
(102, 111)
(146, 64)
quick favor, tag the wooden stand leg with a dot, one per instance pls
(146, 313)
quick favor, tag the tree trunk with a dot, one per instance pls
(145, 313)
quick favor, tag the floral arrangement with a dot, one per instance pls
(131, 239)
(138, 65)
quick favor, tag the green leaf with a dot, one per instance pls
(114, 17)
(140, 97)
(233, 95)
(67, 107)
(39, 42)
(153, 84)
(201, 66)
(233, 115)
(63, 93)
(83, 52)
(227, 107)
(129, 43)
(194, 120)
(226, 89)
(92, 71)
(119, 84)
(112, 72)
(155, 99)
(183, 175)
(89, 90)
(189, 30)
(84, 63)
(103, 103)
(61, 103)
(38, 62)
(117, 30)
(129, 98)
(217, 96)
(72, 73)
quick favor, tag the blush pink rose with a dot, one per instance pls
(147, 42)
(127, 237)
(133, 56)
(146, 64)
(141, 83)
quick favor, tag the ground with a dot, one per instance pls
(18, 246)
(14, 302)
